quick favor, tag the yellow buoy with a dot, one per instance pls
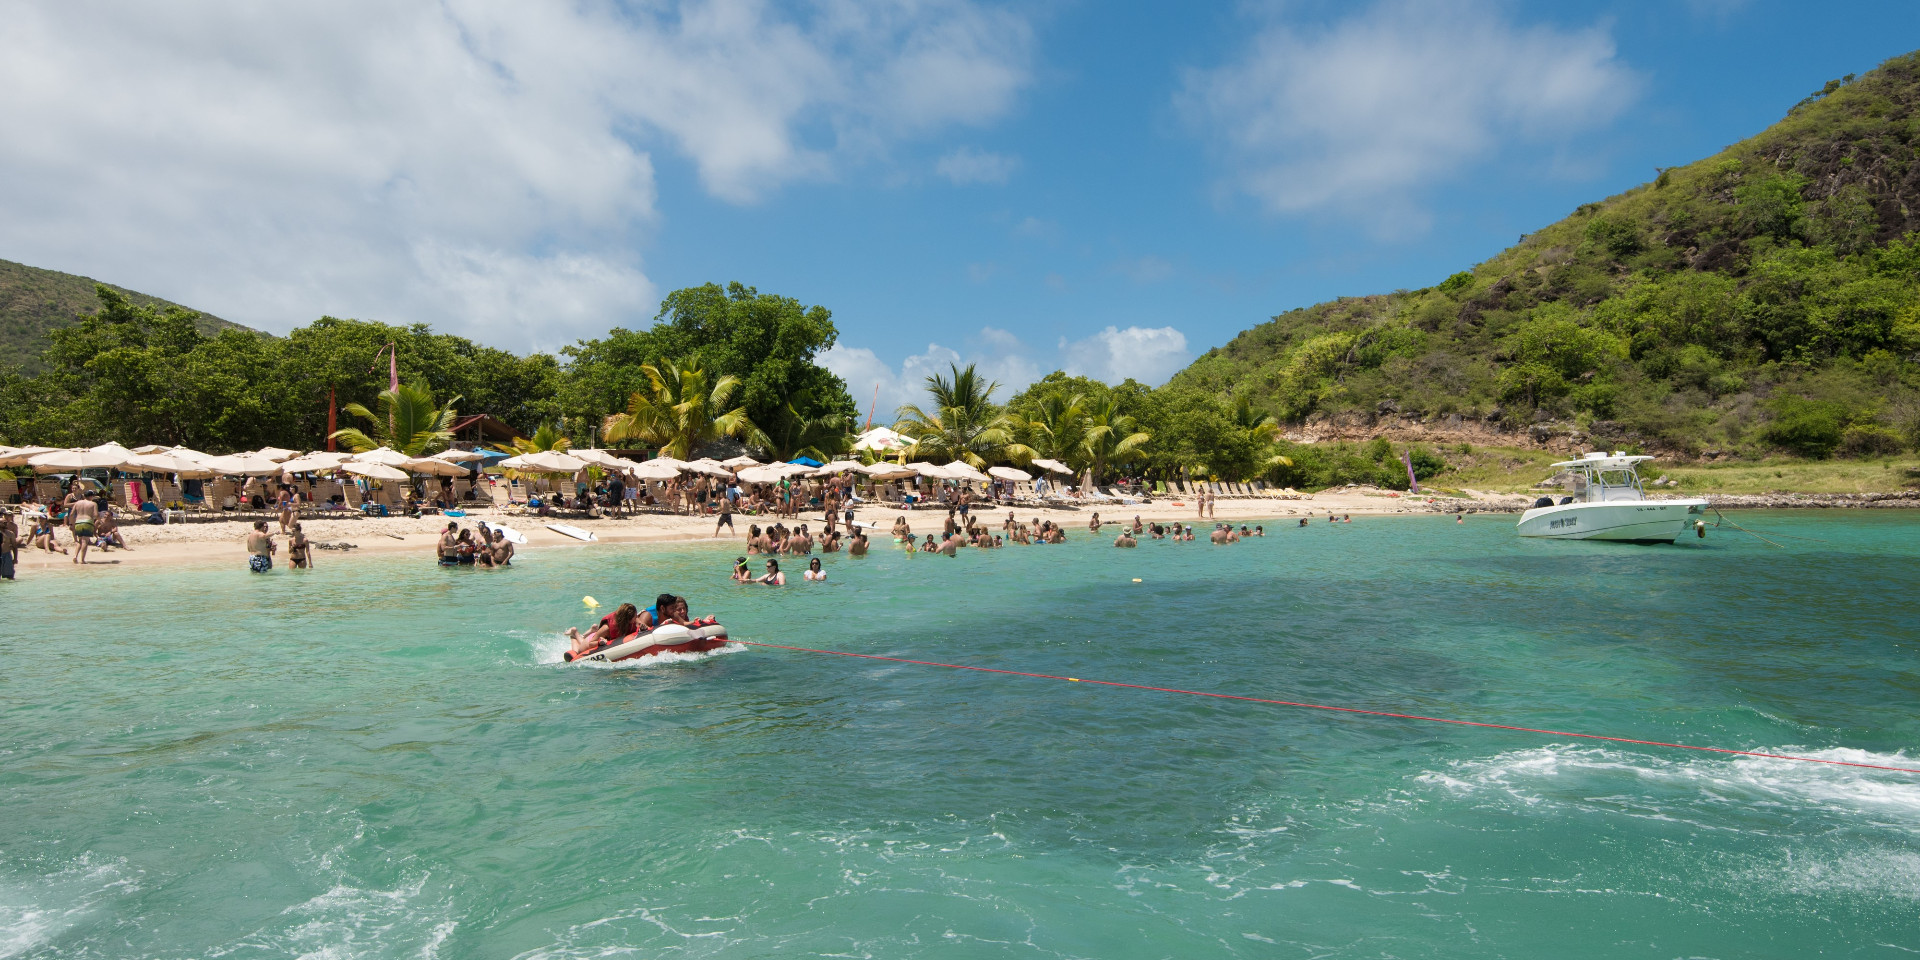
(589, 601)
(1136, 579)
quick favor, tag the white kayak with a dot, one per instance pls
(512, 536)
(571, 531)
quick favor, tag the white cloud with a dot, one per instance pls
(997, 354)
(483, 166)
(967, 165)
(1147, 354)
(1396, 97)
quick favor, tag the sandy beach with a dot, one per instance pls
(222, 541)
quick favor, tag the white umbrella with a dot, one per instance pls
(932, 470)
(655, 470)
(276, 454)
(596, 456)
(1053, 466)
(319, 460)
(885, 471)
(708, 466)
(167, 463)
(384, 455)
(63, 461)
(1009, 473)
(837, 467)
(460, 456)
(669, 461)
(762, 475)
(881, 438)
(186, 453)
(546, 461)
(961, 470)
(18, 456)
(375, 471)
(241, 465)
(150, 448)
(435, 466)
(740, 461)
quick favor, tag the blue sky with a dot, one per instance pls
(1106, 187)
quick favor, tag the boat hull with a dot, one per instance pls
(1634, 521)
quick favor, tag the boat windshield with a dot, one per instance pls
(1621, 484)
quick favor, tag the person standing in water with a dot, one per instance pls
(9, 544)
(814, 572)
(857, 547)
(773, 577)
(260, 548)
(81, 516)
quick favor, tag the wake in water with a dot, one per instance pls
(551, 649)
(1527, 775)
(34, 912)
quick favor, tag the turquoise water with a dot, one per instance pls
(383, 759)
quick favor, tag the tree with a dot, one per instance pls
(1110, 436)
(795, 434)
(677, 411)
(408, 422)
(548, 437)
(1057, 426)
(963, 423)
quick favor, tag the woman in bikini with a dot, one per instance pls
(622, 623)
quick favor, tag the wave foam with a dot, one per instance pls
(28, 922)
(1884, 793)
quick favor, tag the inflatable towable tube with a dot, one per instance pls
(671, 638)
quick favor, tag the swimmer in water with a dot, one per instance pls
(814, 572)
(740, 572)
(773, 577)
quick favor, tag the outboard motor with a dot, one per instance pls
(1543, 502)
(1565, 500)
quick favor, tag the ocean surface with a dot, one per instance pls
(381, 758)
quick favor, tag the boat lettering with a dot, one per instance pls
(1564, 522)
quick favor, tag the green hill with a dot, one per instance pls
(1766, 298)
(34, 301)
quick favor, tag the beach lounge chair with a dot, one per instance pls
(9, 489)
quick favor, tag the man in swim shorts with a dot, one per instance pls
(81, 516)
(259, 548)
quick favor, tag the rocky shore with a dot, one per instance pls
(1786, 501)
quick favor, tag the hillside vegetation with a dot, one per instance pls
(1763, 300)
(36, 302)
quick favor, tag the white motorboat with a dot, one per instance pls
(1607, 503)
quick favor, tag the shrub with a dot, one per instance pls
(1871, 440)
(1810, 428)
(1616, 235)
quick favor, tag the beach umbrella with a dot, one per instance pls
(150, 448)
(276, 454)
(740, 461)
(837, 467)
(434, 466)
(18, 456)
(373, 471)
(807, 462)
(961, 470)
(1053, 466)
(66, 461)
(383, 455)
(708, 466)
(596, 457)
(461, 456)
(881, 438)
(167, 463)
(931, 470)
(186, 453)
(885, 471)
(546, 461)
(655, 470)
(1009, 473)
(317, 461)
(762, 475)
(241, 465)
(669, 461)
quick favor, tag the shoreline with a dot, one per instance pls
(212, 543)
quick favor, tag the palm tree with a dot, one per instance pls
(795, 435)
(544, 439)
(1261, 431)
(408, 422)
(1110, 435)
(678, 412)
(1058, 426)
(963, 423)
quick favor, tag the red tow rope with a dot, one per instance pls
(1322, 706)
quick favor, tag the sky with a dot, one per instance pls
(1109, 188)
